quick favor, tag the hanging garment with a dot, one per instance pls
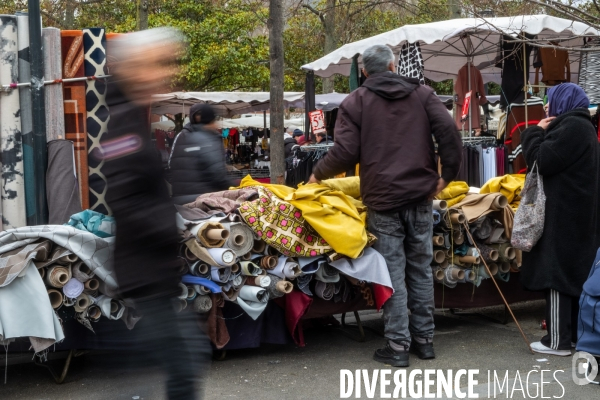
(553, 63)
(410, 63)
(589, 73)
(513, 77)
(461, 88)
(516, 124)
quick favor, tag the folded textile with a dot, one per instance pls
(309, 265)
(25, 311)
(227, 201)
(303, 282)
(250, 269)
(509, 185)
(454, 193)
(327, 273)
(95, 252)
(216, 327)
(14, 263)
(201, 269)
(322, 206)
(481, 228)
(278, 287)
(94, 222)
(286, 268)
(253, 300)
(110, 308)
(324, 290)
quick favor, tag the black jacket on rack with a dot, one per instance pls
(197, 163)
(289, 144)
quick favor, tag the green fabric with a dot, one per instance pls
(354, 74)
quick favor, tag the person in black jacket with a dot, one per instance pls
(564, 148)
(289, 143)
(197, 161)
(146, 244)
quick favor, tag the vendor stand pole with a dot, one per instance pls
(526, 78)
(499, 291)
(40, 155)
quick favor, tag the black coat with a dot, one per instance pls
(289, 145)
(145, 257)
(197, 164)
(567, 158)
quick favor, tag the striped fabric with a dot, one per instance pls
(589, 73)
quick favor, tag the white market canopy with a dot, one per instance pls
(447, 45)
(256, 121)
(226, 104)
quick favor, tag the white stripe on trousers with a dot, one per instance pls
(554, 312)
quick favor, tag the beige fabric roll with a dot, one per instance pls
(57, 276)
(56, 298)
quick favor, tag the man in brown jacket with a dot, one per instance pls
(387, 126)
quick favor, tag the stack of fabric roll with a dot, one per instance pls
(474, 231)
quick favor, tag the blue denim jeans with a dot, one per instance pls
(405, 241)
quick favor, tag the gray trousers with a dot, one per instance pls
(405, 241)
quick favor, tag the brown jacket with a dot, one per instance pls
(387, 126)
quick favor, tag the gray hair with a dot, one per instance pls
(120, 47)
(377, 59)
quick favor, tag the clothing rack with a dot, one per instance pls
(479, 140)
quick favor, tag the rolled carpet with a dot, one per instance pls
(53, 94)
(62, 188)
(14, 214)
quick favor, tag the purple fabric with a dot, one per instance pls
(566, 97)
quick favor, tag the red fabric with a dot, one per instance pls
(381, 294)
(263, 180)
(161, 142)
(295, 304)
(234, 138)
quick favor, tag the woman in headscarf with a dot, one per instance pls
(565, 148)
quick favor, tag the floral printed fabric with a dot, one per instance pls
(282, 226)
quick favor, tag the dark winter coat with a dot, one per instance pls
(197, 164)
(145, 256)
(289, 144)
(567, 158)
(386, 126)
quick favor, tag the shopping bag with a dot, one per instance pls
(529, 219)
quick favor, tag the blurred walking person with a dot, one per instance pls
(145, 258)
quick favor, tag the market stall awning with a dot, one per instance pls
(447, 45)
(226, 104)
(256, 121)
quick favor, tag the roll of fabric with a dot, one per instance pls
(220, 274)
(469, 260)
(213, 256)
(14, 214)
(75, 107)
(487, 253)
(73, 288)
(202, 289)
(458, 237)
(503, 267)
(437, 217)
(268, 262)
(236, 270)
(202, 304)
(278, 287)
(309, 265)
(94, 313)
(191, 293)
(262, 281)
(26, 117)
(498, 234)
(111, 308)
(326, 273)
(288, 269)
(189, 255)
(439, 256)
(241, 238)
(473, 277)
(482, 228)
(450, 274)
(183, 291)
(506, 252)
(503, 276)
(271, 251)
(324, 290)
(253, 300)
(56, 298)
(210, 234)
(438, 240)
(68, 301)
(57, 276)
(246, 257)
(259, 246)
(238, 282)
(82, 302)
(42, 272)
(250, 269)
(94, 47)
(440, 205)
(82, 272)
(438, 274)
(62, 187)
(55, 111)
(92, 284)
(483, 273)
(200, 268)
(518, 258)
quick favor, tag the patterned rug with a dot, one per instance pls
(75, 112)
(94, 46)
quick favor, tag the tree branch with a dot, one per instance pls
(315, 11)
(568, 13)
(53, 18)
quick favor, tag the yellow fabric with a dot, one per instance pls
(335, 215)
(454, 193)
(509, 185)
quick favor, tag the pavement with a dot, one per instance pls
(469, 342)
